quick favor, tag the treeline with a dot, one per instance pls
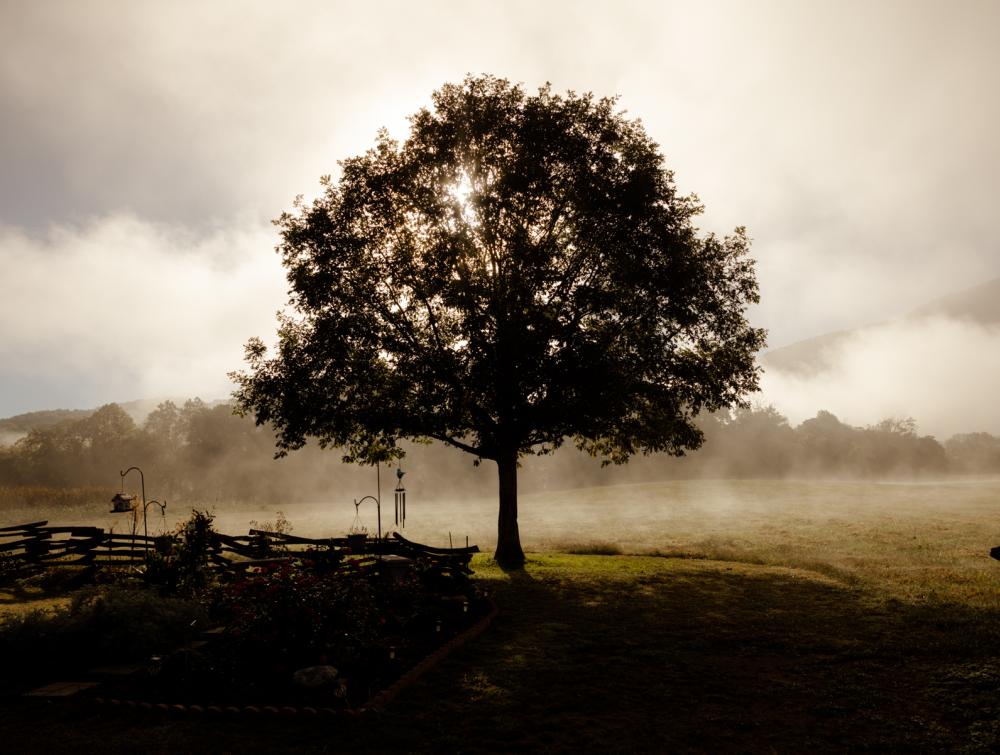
(201, 453)
(761, 443)
(194, 452)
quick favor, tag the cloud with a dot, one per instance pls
(942, 372)
(132, 309)
(856, 141)
(188, 112)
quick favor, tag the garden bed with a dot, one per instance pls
(140, 696)
(358, 631)
(322, 629)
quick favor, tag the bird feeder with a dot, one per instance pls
(122, 504)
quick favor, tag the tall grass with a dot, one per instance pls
(26, 502)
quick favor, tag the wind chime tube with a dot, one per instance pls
(400, 499)
(400, 507)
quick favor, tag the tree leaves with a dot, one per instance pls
(518, 271)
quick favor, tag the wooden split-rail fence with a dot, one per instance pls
(39, 544)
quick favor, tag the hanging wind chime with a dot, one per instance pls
(400, 499)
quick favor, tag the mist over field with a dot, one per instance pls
(939, 364)
(754, 472)
(903, 537)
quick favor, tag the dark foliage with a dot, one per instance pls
(518, 272)
(105, 623)
(367, 623)
(978, 453)
(179, 562)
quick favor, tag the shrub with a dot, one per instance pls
(103, 624)
(296, 615)
(178, 563)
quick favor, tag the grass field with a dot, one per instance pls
(776, 617)
(912, 541)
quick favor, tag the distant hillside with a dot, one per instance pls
(13, 428)
(980, 304)
(23, 423)
(806, 357)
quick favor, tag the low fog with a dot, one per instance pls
(942, 371)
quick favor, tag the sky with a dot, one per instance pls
(146, 147)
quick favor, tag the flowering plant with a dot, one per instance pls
(294, 614)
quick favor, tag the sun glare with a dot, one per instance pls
(462, 192)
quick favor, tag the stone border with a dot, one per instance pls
(376, 704)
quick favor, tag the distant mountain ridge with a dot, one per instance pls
(979, 304)
(13, 428)
(24, 423)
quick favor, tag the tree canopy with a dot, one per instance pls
(518, 272)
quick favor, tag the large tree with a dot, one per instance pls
(518, 272)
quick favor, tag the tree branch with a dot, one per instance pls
(460, 445)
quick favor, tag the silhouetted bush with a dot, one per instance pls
(112, 622)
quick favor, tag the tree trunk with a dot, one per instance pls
(509, 554)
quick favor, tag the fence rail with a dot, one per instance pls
(37, 544)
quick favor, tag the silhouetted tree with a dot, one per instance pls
(825, 444)
(755, 442)
(164, 423)
(974, 453)
(107, 437)
(519, 271)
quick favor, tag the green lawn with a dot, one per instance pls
(785, 617)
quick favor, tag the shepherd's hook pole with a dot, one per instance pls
(145, 529)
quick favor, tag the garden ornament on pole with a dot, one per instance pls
(400, 492)
(378, 508)
(122, 503)
(377, 498)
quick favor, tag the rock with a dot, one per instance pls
(314, 677)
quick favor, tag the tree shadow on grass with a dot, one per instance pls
(722, 658)
(677, 656)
